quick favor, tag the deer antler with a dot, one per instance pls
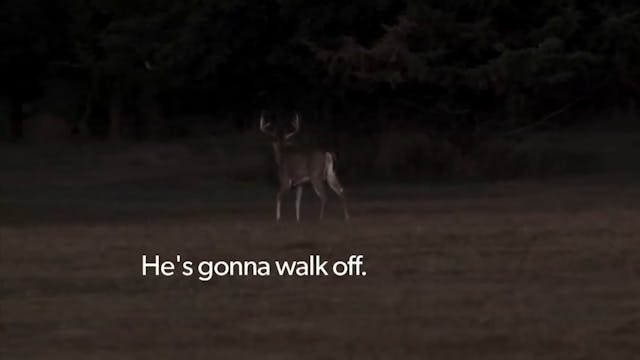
(296, 126)
(264, 125)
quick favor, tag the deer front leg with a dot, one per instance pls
(318, 186)
(281, 192)
(298, 198)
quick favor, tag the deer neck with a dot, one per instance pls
(277, 152)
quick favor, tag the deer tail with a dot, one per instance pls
(330, 171)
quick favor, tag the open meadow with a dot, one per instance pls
(535, 269)
(489, 153)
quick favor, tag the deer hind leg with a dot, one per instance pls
(318, 186)
(334, 184)
(298, 199)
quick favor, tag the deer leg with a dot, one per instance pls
(334, 184)
(318, 186)
(281, 192)
(298, 198)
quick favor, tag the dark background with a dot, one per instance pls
(467, 77)
(489, 150)
(134, 68)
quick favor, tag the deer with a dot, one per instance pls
(297, 167)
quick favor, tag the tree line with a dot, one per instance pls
(141, 67)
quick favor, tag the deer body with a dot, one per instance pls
(297, 167)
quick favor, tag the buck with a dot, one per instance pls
(297, 167)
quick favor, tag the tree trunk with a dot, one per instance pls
(81, 129)
(151, 117)
(16, 117)
(326, 113)
(115, 112)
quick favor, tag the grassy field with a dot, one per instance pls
(506, 270)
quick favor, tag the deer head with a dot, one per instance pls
(279, 135)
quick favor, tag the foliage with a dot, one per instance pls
(497, 61)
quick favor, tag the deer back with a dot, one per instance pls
(299, 165)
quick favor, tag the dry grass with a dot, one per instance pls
(504, 271)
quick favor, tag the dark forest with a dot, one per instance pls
(149, 69)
